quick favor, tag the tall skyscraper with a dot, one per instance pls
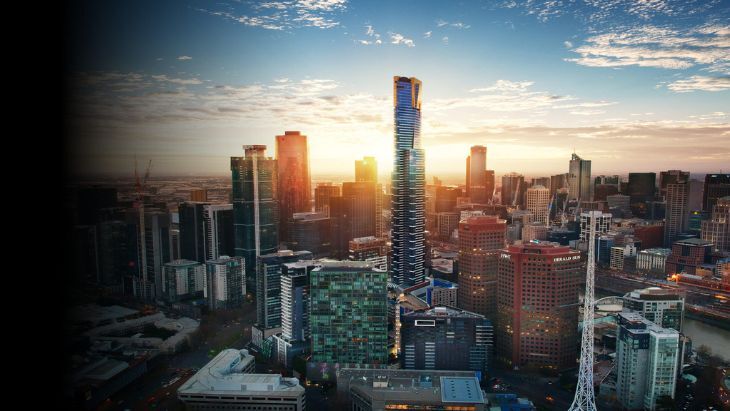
(671, 177)
(268, 285)
(408, 184)
(716, 186)
(537, 318)
(255, 208)
(352, 215)
(646, 362)
(366, 170)
(294, 184)
(717, 229)
(513, 189)
(476, 175)
(480, 239)
(579, 179)
(322, 194)
(538, 199)
(157, 251)
(348, 313)
(445, 338)
(677, 214)
(218, 227)
(311, 232)
(206, 231)
(641, 189)
(225, 282)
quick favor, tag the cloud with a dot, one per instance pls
(427, 35)
(700, 83)
(282, 15)
(659, 47)
(374, 37)
(397, 38)
(568, 44)
(184, 58)
(457, 24)
(596, 12)
(514, 96)
(164, 78)
(445, 40)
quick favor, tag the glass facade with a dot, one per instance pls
(255, 208)
(348, 313)
(408, 184)
(268, 285)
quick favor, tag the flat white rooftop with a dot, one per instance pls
(225, 374)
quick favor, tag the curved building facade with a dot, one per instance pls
(408, 184)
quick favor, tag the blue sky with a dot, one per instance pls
(632, 85)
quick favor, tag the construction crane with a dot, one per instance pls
(139, 188)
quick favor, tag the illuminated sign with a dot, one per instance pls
(558, 259)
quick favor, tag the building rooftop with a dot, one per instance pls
(181, 263)
(657, 251)
(225, 372)
(422, 387)
(693, 241)
(223, 259)
(310, 216)
(349, 266)
(645, 326)
(461, 389)
(444, 312)
(654, 293)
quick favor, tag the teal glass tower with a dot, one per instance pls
(408, 184)
(255, 208)
(348, 316)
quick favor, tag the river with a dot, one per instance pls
(716, 338)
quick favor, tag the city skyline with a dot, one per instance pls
(532, 82)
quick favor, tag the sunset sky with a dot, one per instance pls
(632, 85)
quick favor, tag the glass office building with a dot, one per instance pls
(348, 316)
(255, 208)
(408, 184)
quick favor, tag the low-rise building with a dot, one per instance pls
(227, 382)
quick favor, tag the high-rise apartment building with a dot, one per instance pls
(674, 188)
(322, 194)
(255, 207)
(513, 190)
(538, 200)
(641, 189)
(646, 362)
(366, 170)
(206, 231)
(716, 186)
(408, 185)
(480, 239)
(663, 307)
(370, 249)
(268, 285)
(579, 179)
(348, 313)
(184, 279)
(477, 188)
(717, 229)
(225, 282)
(537, 319)
(445, 338)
